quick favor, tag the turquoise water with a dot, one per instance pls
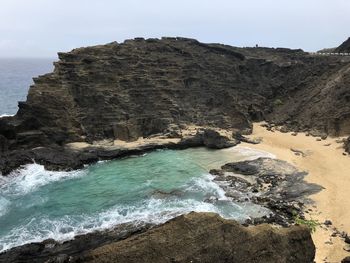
(36, 204)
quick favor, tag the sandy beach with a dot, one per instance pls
(326, 166)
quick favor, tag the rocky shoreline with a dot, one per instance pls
(196, 237)
(68, 157)
(271, 183)
(154, 89)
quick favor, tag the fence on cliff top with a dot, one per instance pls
(328, 54)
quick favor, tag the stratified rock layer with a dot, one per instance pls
(143, 87)
(196, 237)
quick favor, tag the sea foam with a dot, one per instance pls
(32, 176)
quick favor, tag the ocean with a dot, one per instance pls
(16, 75)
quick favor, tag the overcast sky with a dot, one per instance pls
(41, 28)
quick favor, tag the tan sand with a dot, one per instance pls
(328, 167)
(118, 144)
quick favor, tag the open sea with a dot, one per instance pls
(15, 78)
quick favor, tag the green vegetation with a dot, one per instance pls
(278, 102)
(311, 224)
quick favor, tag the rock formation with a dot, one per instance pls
(272, 183)
(344, 47)
(196, 237)
(144, 87)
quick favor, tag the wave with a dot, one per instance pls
(31, 177)
(4, 205)
(6, 115)
(152, 210)
(249, 153)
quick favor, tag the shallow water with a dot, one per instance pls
(36, 204)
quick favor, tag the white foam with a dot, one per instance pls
(249, 153)
(4, 205)
(155, 211)
(206, 184)
(6, 115)
(152, 210)
(31, 177)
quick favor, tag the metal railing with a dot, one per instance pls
(328, 54)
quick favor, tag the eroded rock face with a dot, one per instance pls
(272, 183)
(142, 87)
(196, 237)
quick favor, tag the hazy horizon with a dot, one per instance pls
(40, 28)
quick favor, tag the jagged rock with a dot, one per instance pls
(196, 237)
(272, 183)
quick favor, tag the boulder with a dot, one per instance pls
(214, 140)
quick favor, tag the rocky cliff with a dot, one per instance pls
(148, 86)
(344, 47)
(196, 237)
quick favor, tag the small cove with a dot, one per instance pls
(36, 204)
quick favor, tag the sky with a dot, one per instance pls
(41, 28)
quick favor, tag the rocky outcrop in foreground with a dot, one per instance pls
(272, 183)
(196, 237)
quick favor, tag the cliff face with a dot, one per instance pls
(142, 87)
(344, 47)
(196, 237)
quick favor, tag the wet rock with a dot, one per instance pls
(272, 183)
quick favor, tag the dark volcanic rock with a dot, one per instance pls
(142, 87)
(272, 183)
(196, 237)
